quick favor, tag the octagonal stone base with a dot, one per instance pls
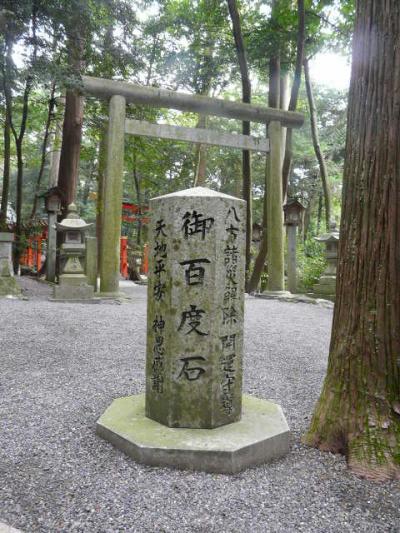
(261, 435)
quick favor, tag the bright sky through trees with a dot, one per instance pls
(330, 69)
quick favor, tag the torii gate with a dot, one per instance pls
(119, 93)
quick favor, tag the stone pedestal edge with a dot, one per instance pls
(262, 435)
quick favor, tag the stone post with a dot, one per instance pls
(275, 254)
(8, 285)
(51, 253)
(111, 230)
(291, 258)
(91, 261)
(195, 309)
(6, 266)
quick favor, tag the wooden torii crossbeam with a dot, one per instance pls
(119, 93)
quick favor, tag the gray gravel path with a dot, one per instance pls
(63, 364)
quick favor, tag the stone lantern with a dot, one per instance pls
(327, 283)
(52, 201)
(293, 211)
(73, 283)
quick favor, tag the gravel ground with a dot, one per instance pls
(63, 364)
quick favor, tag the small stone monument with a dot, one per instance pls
(326, 285)
(73, 284)
(8, 285)
(191, 415)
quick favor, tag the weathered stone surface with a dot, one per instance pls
(112, 197)
(8, 284)
(73, 287)
(195, 309)
(6, 240)
(326, 285)
(73, 283)
(261, 435)
(91, 261)
(198, 135)
(51, 248)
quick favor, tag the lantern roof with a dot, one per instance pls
(332, 236)
(72, 221)
(293, 203)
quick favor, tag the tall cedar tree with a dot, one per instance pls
(358, 413)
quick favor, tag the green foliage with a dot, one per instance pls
(310, 263)
(178, 44)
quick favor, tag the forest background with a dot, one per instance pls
(256, 51)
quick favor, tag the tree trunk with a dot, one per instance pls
(319, 213)
(73, 118)
(287, 162)
(358, 413)
(55, 141)
(6, 168)
(317, 147)
(71, 146)
(246, 98)
(44, 149)
(20, 172)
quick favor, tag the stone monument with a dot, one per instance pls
(73, 283)
(191, 415)
(326, 285)
(8, 285)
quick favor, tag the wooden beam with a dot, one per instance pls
(205, 105)
(196, 135)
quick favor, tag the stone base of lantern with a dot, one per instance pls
(9, 287)
(326, 287)
(260, 436)
(276, 295)
(73, 287)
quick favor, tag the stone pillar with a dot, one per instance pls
(8, 285)
(111, 230)
(91, 261)
(195, 309)
(6, 266)
(275, 239)
(191, 415)
(51, 253)
(291, 258)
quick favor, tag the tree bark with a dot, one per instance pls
(71, 146)
(246, 98)
(6, 168)
(73, 120)
(287, 162)
(358, 413)
(20, 173)
(44, 149)
(317, 147)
